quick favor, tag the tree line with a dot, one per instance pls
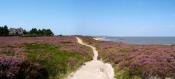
(38, 32)
(5, 31)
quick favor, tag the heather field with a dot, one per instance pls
(137, 61)
(56, 57)
(40, 57)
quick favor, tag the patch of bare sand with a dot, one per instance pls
(94, 69)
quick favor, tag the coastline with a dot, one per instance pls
(127, 58)
(134, 42)
(99, 38)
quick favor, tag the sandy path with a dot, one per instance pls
(94, 69)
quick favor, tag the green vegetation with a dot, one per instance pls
(123, 73)
(39, 32)
(58, 63)
(124, 50)
(8, 53)
(4, 31)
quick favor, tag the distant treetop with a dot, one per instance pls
(4, 31)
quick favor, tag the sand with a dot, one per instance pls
(94, 69)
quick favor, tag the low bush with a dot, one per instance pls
(145, 61)
(12, 67)
(58, 63)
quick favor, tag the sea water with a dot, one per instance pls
(143, 40)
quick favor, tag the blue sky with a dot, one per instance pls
(92, 17)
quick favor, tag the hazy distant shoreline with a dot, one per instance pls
(99, 38)
(140, 40)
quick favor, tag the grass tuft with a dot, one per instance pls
(58, 63)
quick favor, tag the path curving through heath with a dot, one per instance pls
(94, 69)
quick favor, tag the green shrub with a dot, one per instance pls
(58, 63)
(124, 73)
